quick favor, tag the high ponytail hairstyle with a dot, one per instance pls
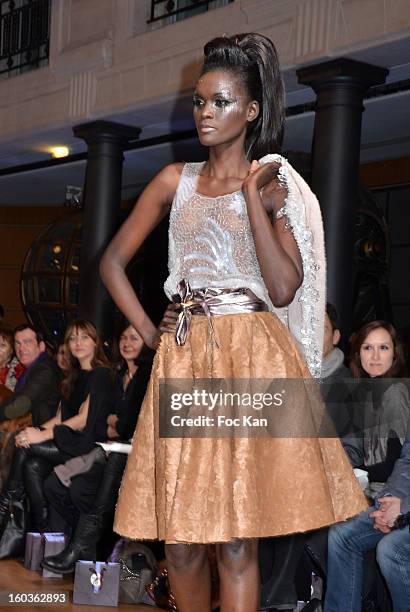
(253, 58)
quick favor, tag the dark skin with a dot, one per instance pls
(222, 113)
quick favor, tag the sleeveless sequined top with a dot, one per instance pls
(210, 240)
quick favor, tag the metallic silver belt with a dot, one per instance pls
(211, 301)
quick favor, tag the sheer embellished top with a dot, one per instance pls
(210, 240)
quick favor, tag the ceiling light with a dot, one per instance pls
(57, 152)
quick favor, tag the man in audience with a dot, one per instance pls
(335, 387)
(384, 527)
(278, 581)
(37, 391)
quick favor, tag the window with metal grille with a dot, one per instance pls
(24, 35)
(176, 10)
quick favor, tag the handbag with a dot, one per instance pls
(160, 592)
(137, 567)
(96, 583)
(13, 536)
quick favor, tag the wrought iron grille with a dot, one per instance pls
(24, 35)
(181, 9)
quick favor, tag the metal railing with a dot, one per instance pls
(181, 9)
(24, 35)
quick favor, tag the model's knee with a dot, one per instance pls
(184, 556)
(237, 555)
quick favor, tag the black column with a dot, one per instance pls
(106, 141)
(340, 86)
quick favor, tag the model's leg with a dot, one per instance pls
(347, 544)
(189, 576)
(393, 556)
(239, 575)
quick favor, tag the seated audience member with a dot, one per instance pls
(62, 358)
(88, 503)
(382, 408)
(385, 527)
(87, 393)
(10, 371)
(336, 388)
(10, 368)
(278, 580)
(37, 390)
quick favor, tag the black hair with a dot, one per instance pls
(1, 312)
(253, 58)
(24, 326)
(146, 354)
(333, 316)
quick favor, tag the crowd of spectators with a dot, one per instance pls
(54, 409)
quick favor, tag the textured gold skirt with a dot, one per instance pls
(207, 490)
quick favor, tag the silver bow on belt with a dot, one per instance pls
(211, 301)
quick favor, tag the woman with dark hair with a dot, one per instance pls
(61, 357)
(88, 503)
(10, 368)
(80, 421)
(391, 350)
(246, 263)
(377, 360)
(383, 404)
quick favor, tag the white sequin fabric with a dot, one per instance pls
(211, 245)
(210, 240)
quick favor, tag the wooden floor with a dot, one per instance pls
(15, 578)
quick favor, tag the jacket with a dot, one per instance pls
(39, 394)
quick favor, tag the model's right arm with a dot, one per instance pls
(150, 209)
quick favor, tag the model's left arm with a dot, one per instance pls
(278, 254)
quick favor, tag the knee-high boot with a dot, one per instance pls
(36, 471)
(14, 486)
(91, 526)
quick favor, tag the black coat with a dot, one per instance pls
(39, 393)
(337, 391)
(97, 385)
(128, 403)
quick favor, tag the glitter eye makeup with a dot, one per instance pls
(218, 103)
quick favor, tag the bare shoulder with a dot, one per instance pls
(163, 186)
(171, 174)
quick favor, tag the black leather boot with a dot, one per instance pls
(91, 526)
(14, 486)
(82, 546)
(13, 490)
(36, 470)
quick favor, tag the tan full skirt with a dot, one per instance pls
(215, 489)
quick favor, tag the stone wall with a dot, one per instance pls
(105, 59)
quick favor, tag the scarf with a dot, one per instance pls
(305, 315)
